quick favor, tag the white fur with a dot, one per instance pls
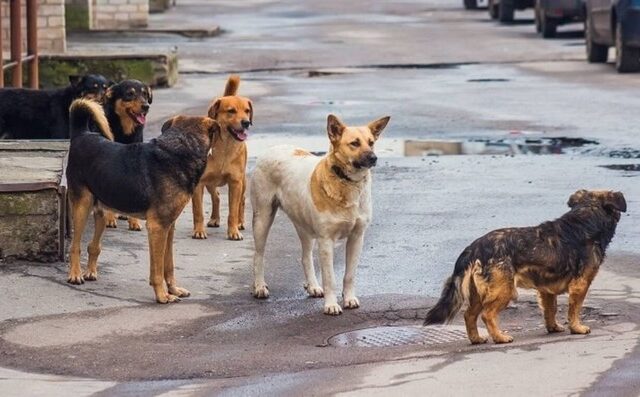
(283, 180)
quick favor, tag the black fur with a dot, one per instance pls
(44, 114)
(545, 254)
(127, 91)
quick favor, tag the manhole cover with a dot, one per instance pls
(399, 336)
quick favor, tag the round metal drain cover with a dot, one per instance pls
(399, 336)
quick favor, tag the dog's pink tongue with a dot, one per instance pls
(242, 135)
(141, 118)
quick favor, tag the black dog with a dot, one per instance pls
(44, 114)
(165, 173)
(554, 257)
(126, 106)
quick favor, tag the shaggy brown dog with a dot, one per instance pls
(555, 257)
(228, 164)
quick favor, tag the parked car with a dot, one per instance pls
(552, 13)
(504, 10)
(614, 23)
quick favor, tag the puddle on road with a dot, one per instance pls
(489, 80)
(628, 169)
(260, 144)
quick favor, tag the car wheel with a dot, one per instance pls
(506, 10)
(537, 13)
(493, 9)
(596, 53)
(471, 4)
(548, 26)
(627, 58)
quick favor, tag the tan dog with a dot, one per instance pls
(327, 199)
(228, 163)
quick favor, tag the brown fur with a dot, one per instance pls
(554, 258)
(227, 166)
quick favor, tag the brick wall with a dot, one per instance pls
(51, 26)
(119, 14)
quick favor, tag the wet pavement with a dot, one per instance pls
(530, 122)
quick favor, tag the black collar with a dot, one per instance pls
(340, 173)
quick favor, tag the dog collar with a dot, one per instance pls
(340, 173)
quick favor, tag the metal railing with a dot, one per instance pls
(17, 57)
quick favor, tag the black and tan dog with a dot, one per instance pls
(99, 177)
(554, 258)
(44, 114)
(126, 106)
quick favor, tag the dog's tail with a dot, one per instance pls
(452, 296)
(232, 86)
(82, 113)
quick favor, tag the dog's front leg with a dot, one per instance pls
(577, 292)
(325, 252)
(197, 207)
(235, 194)
(354, 248)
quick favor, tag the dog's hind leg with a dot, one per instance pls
(354, 249)
(311, 284)
(264, 212)
(242, 203)
(495, 293)
(94, 246)
(325, 251)
(214, 220)
(197, 208)
(81, 204)
(158, 234)
(169, 276)
(471, 316)
(549, 305)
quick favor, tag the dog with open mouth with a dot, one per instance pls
(228, 164)
(126, 106)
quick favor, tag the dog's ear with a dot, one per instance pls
(335, 128)
(214, 109)
(74, 79)
(214, 129)
(109, 92)
(576, 198)
(615, 201)
(167, 124)
(149, 94)
(250, 112)
(377, 126)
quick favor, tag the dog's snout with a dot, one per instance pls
(245, 123)
(371, 159)
(145, 107)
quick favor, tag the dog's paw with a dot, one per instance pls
(261, 291)
(134, 225)
(199, 234)
(351, 303)
(479, 340)
(580, 329)
(234, 235)
(241, 226)
(503, 338)
(213, 223)
(75, 278)
(179, 292)
(314, 291)
(332, 309)
(90, 275)
(111, 223)
(555, 328)
(167, 298)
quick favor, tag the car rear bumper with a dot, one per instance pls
(562, 8)
(631, 27)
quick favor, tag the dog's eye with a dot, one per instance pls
(355, 143)
(371, 143)
(232, 111)
(95, 86)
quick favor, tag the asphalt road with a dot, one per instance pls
(441, 73)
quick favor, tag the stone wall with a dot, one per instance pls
(119, 14)
(51, 26)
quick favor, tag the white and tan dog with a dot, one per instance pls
(327, 198)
